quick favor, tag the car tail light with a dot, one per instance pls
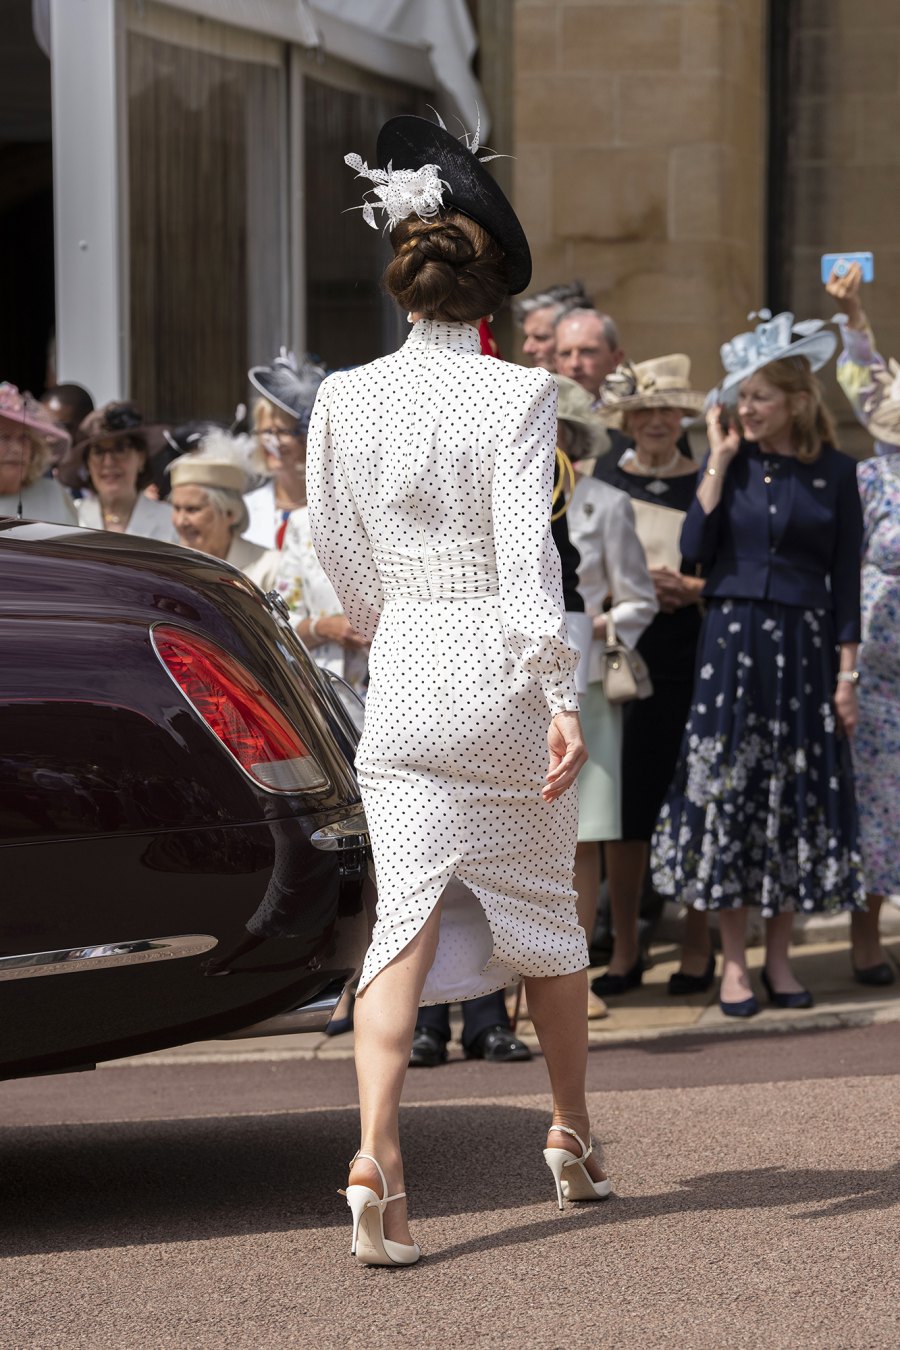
(242, 714)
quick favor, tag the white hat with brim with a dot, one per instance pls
(880, 406)
(663, 382)
(776, 339)
(204, 471)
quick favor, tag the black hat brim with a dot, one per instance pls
(409, 142)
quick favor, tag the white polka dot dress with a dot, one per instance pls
(429, 479)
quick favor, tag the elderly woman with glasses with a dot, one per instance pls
(114, 446)
(209, 510)
(26, 434)
(287, 392)
(279, 517)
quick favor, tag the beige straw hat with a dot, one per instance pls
(664, 382)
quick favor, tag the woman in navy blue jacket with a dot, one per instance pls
(761, 810)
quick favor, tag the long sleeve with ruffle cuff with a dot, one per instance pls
(528, 566)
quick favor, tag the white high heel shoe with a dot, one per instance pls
(369, 1244)
(578, 1183)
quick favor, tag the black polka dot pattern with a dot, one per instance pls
(429, 477)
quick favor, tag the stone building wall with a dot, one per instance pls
(640, 162)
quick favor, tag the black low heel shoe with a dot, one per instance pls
(745, 1007)
(606, 985)
(875, 975)
(681, 984)
(803, 999)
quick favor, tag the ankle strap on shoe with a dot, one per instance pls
(385, 1198)
(586, 1149)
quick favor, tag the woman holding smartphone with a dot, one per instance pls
(762, 810)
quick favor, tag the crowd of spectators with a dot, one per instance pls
(736, 578)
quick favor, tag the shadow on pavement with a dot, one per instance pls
(83, 1187)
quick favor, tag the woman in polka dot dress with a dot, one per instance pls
(430, 476)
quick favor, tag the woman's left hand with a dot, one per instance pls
(846, 705)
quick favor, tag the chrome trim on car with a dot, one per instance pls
(105, 956)
(312, 1016)
(351, 832)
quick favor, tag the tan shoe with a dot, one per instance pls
(596, 1008)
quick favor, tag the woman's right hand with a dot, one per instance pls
(568, 755)
(723, 445)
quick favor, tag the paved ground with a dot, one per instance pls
(170, 1202)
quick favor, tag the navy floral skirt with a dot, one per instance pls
(761, 810)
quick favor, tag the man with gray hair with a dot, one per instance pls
(537, 315)
(587, 348)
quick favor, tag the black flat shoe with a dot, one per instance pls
(499, 1045)
(605, 985)
(428, 1049)
(745, 1007)
(883, 973)
(681, 984)
(802, 999)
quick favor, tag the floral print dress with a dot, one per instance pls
(762, 809)
(876, 746)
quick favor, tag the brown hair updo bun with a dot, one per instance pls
(446, 268)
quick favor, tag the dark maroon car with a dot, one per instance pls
(182, 848)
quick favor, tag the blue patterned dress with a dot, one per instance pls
(762, 809)
(876, 746)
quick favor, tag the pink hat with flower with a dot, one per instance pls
(22, 410)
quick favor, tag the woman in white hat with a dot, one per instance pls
(616, 587)
(649, 402)
(873, 387)
(762, 810)
(209, 510)
(26, 434)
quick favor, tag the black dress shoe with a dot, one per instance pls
(802, 999)
(883, 973)
(428, 1049)
(605, 985)
(681, 984)
(499, 1045)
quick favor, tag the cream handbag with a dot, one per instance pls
(625, 673)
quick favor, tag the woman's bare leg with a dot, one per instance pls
(385, 1019)
(778, 964)
(735, 979)
(556, 1006)
(696, 944)
(867, 948)
(587, 887)
(626, 866)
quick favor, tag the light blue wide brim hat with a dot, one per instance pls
(775, 339)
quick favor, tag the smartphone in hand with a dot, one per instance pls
(840, 263)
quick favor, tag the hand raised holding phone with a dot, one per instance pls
(843, 287)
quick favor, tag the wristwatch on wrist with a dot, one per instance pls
(848, 676)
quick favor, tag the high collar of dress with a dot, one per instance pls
(459, 337)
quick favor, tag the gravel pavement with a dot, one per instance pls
(757, 1201)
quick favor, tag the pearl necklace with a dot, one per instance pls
(656, 471)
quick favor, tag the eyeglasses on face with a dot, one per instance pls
(117, 451)
(276, 434)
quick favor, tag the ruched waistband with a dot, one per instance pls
(447, 572)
